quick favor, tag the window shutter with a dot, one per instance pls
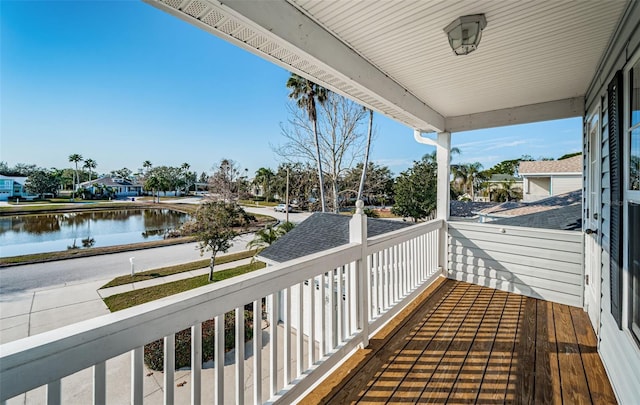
(615, 164)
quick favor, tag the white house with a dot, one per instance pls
(546, 178)
(118, 186)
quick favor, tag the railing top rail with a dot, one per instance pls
(380, 242)
(46, 357)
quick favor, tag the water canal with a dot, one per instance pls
(27, 234)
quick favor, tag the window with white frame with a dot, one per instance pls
(632, 197)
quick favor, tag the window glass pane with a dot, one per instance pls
(634, 160)
(635, 94)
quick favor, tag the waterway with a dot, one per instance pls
(27, 234)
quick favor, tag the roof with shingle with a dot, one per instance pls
(570, 165)
(111, 182)
(322, 231)
(565, 218)
(512, 208)
(465, 209)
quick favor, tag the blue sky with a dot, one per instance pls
(123, 82)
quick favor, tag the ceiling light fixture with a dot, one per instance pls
(464, 33)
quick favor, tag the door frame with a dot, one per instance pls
(592, 216)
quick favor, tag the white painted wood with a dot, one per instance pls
(533, 262)
(257, 351)
(100, 383)
(273, 348)
(196, 363)
(239, 355)
(300, 332)
(384, 241)
(312, 321)
(550, 110)
(219, 358)
(330, 327)
(286, 304)
(169, 364)
(323, 318)
(54, 393)
(137, 374)
(339, 306)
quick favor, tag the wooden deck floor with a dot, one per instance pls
(461, 343)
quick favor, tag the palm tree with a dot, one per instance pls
(75, 158)
(90, 164)
(147, 165)
(263, 178)
(467, 173)
(185, 170)
(306, 93)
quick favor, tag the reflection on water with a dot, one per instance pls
(27, 234)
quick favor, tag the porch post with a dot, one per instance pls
(443, 153)
(358, 234)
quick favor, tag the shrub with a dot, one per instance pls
(154, 351)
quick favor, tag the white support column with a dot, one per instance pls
(358, 234)
(444, 158)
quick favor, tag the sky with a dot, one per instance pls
(122, 82)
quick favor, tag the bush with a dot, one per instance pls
(154, 351)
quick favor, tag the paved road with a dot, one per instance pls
(15, 280)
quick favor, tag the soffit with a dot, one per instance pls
(531, 52)
(393, 56)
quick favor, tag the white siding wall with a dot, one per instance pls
(539, 263)
(565, 184)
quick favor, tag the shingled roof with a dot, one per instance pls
(322, 231)
(570, 165)
(567, 218)
(513, 208)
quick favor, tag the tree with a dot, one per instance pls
(303, 181)
(468, 174)
(75, 158)
(378, 184)
(185, 170)
(213, 225)
(366, 156)
(224, 180)
(19, 170)
(264, 178)
(147, 165)
(569, 155)
(416, 189)
(265, 237)
(307, 93)
(124, 173)
(42, 181)
(341, 138)
(90, 164)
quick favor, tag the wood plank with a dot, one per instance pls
(572, 378)
(547, 375)
(469, 380)
(523, 369)
(599, 385)
(405, 374)
(357, 371)
(495, 382)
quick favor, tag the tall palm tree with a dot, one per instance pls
(90, 164)
(147, 165)
(264, 177)
(185, 171)
(307, 93)
(467, 173)
(75, 158)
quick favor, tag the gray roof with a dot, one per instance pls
(463, 209)
(322, 231)
(565, 218)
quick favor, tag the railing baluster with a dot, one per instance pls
(387, 280)
(218, 337)
(332, 311)
(54, 393)
(339, 307)
(405, 271)
(312, 320)
(300, 331)
(323, 317)
(287, 336)
(273, 343)
(100, 383)
(240, 355)
(348, 297)
(380, 276)
(137, 369)
(196, 363)
(395, 267)
(169, 367)
(257, 351)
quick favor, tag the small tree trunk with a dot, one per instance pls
(319, 162)
(212, 263)
(363, 177)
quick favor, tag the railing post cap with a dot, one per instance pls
(359, 207)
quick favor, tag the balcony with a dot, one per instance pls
(378, 308)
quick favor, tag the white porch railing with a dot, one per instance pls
(360, 285)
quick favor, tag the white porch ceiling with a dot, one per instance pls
(393, 56)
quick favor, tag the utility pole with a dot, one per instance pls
(287, 196)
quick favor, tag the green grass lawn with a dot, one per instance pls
(180, 268)
(132, 298)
